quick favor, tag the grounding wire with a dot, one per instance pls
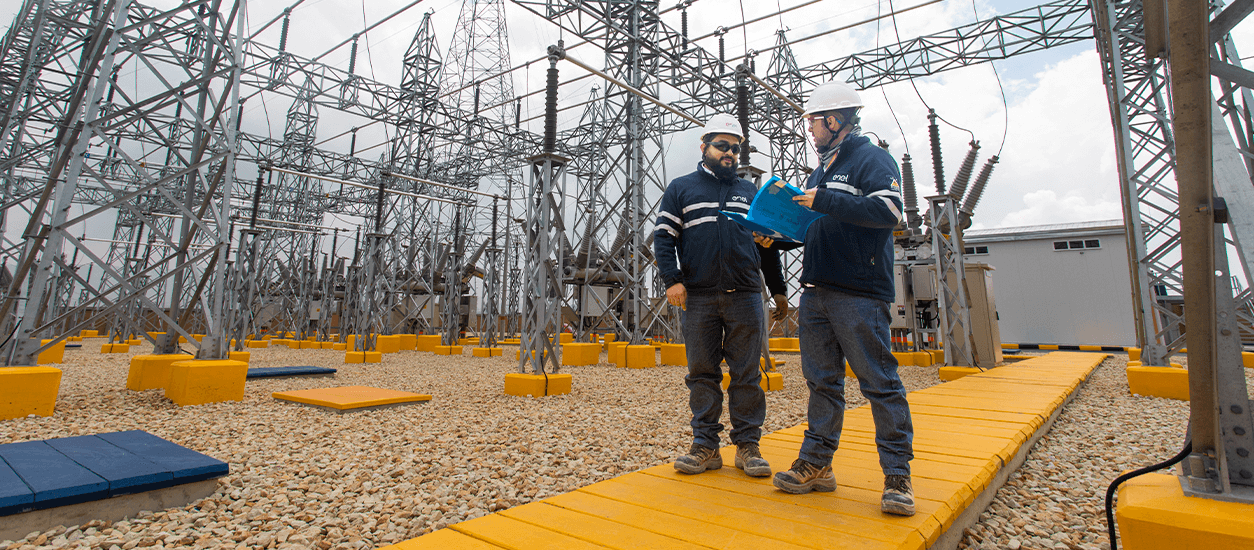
(845, 27)
(1005, 128)
(878, 10)
(897, 31)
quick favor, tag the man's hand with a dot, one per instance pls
(806, 200)
(677, 295)
(781, 307)
(764, 242)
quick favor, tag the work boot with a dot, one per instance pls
(749, 459)
(804, 477)
(898, 498)
(699, 459)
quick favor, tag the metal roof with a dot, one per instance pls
(1029, 232)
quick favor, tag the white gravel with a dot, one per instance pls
(306, 478)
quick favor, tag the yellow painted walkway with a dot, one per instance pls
(966, 431)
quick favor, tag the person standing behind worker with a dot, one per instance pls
(716, 281)
(847, 275)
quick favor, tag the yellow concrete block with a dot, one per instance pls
(486, 352)
(198, 337)
(195, 382)
(1247, 358)
(448, 350)
(1134, 354)
(28, 390)
(771, 381)
(347, 398)
(904, 358)
(1009, 346)
(242, 356)
(388, 343)
(353, 357)
(1090, 348)
(938, 355)
(618, 353)
(305, 344)
(351, 342)
(326, 345)
(674, 354)
(115, 348)
(784, 344)
(150, 372)
(257, 343)
(134, 341)
(54, 354)
(537, 385)
(1166, 382)
(426, 342)
(518, 353)
(337, 346)
(372, 357)
(512, 341)
(641, 357)
(467, 341)
(953, 373)
(1052, 347)
(74, 339)
(578, 354)
(1130, 363)
(89, 333)
(182, 340)
(762, 363)
(1153, 514)
(922, 359)
(407, 341)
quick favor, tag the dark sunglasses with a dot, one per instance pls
(725, 147)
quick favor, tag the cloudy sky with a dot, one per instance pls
(1057, 163)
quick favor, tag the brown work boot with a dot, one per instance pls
(699, 459)
(749, 459)
(898, 498)
(804, 477)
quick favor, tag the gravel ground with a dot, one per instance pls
(305, 478)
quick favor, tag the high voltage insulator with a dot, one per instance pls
(287, 21)
(910, 198)
(938, 165)
(352, 57)
(722, 50)
(684, 27)
(476, 111)
(977, 189)
(517, 114)
(959, 186)
(742, 113)
(550, 103)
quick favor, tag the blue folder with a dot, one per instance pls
(774, 214)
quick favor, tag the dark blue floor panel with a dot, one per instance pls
(55, 479)
(15, 496)
(125, 471)
(185, 464)
(271, 372)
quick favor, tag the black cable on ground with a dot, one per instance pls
(1114, 486)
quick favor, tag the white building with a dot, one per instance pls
(1059, 284)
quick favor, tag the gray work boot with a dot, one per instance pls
(699, 459)
(804, 477)
(749, 459)
(898, 498)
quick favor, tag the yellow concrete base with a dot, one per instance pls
(913, 358)
(349, 398)
(674, 354)
(537, 385)
(407, 341)
(305, 344)
(115, 348)
(938, 355)
(486, 352)
(467, 341)
(242, 356)
(950, 374)
(518, 354)
(354, 357)
(257, 343)
(448, 350)
(641, 357)
(372, 357)
(339, 346)
(1154, 514)
(512, 341)
(388, 343)
(134, 341)
(784, 344)
(54, 354)
(577, 354)
(426, 342)
(617, 353)
(196, 382)
(771, 381)
(150, 372)
(28, 390)
(1169, 382)
(89, 333)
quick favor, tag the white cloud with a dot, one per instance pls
(1046, 207)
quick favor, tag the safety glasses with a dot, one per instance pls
(725, 147)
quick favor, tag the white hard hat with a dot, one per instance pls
(722, 124)
(830, 96)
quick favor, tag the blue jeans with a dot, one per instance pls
(718, 326)
(835, 326)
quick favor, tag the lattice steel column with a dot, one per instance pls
(955, 318)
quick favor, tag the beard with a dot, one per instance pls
(721, 172)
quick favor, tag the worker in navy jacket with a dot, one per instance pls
(716, 280)
(847, 275)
